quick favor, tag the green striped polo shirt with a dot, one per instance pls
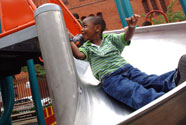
(105, 58)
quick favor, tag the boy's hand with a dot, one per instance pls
(70, 34)
(132, 21)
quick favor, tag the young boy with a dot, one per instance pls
(119, 79)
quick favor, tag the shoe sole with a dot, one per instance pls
(182, 69)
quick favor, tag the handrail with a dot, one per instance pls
(158, 12)
(31, 3)
(62, 4)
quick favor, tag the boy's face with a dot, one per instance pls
(88, 29)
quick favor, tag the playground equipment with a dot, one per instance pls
(155, 11)
(19, 47)
(125, 10)
(85, 102)
(183, 4)
(79, 99)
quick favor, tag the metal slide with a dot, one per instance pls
(79, 99)
(154, 50)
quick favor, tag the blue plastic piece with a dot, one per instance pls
(121, 12)
(125, 10)
(35, 92)
(183, 4)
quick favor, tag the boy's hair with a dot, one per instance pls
(83, 17)
(97, 20)
(147, 23)
(91, 15)
(99, 14)
(75, 15)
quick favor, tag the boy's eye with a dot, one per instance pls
(84, 26)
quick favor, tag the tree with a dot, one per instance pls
(40, 71)
(172, 16)
(175, 16)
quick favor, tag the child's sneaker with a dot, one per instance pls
(182, 69)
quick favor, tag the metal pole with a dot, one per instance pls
(127, 8)
(8, 100)
(121, 12)
(124, 9)
(35, 92)
(58, 62)
(183, 4)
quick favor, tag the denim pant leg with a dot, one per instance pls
(161, 83)
(127, 91)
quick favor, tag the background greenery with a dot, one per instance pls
(40, 71)
(175, 16)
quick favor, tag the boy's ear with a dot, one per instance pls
(98, 28)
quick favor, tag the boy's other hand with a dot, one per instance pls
(132, 21)
(70, 35)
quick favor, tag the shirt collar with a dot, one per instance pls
(88, 43)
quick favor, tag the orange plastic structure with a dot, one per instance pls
(16, 15)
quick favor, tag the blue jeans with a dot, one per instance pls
(135, 88)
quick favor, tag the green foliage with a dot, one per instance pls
(32, 109)
(172, 16)
(15, 112)
(40, 71)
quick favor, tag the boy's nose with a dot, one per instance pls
(82, 30)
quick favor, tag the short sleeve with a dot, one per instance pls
(119, 41)
(84, 49)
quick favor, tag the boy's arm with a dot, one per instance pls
(131, 21)
(75, 50)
